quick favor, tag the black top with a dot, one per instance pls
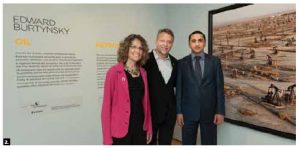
(136, 92)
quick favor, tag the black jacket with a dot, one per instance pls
(162, 97)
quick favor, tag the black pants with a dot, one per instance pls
(208, 133)
(163, 132)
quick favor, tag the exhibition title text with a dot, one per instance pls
(31, 24)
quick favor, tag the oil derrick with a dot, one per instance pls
(289, 42)
(290, 95)
(255, 40)
(222, 49)
(273, 96)
(275, 50)
(252, 53)
(234, 73)
(269, 60)
(242, 55)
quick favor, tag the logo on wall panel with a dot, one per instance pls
(51, 105)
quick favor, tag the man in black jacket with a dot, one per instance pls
(161, 71)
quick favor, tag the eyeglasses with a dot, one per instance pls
(135, 47)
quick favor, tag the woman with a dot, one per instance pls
(126, 115)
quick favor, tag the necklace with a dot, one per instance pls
(133, 71)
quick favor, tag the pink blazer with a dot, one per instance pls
(116, 104)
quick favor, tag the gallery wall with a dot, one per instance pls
(66, 108)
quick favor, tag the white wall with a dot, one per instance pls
(91, 23)
(184, 19)
(88, 24)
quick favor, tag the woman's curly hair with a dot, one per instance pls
(125, 45)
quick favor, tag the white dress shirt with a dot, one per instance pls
(164, 66)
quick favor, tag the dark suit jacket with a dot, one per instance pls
(200, 101)
(162, 97)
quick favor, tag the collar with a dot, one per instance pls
(202, 55)
(157, 57)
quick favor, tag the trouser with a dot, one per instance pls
(163, 132)
(208, 133)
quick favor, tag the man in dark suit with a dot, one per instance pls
(161, 71)
(199, 93)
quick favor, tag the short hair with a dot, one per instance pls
(125, 45)
(197, 32)
(167, 31)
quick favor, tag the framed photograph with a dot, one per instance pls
(256, 44)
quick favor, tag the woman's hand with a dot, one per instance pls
(149, 138)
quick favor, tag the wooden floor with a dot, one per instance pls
(176, 142)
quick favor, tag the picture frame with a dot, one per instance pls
(257, 89)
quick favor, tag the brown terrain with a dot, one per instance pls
(259, 64)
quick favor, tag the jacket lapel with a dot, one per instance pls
(154, 63)
(207, 65)
(173, 69)
(123, 78)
